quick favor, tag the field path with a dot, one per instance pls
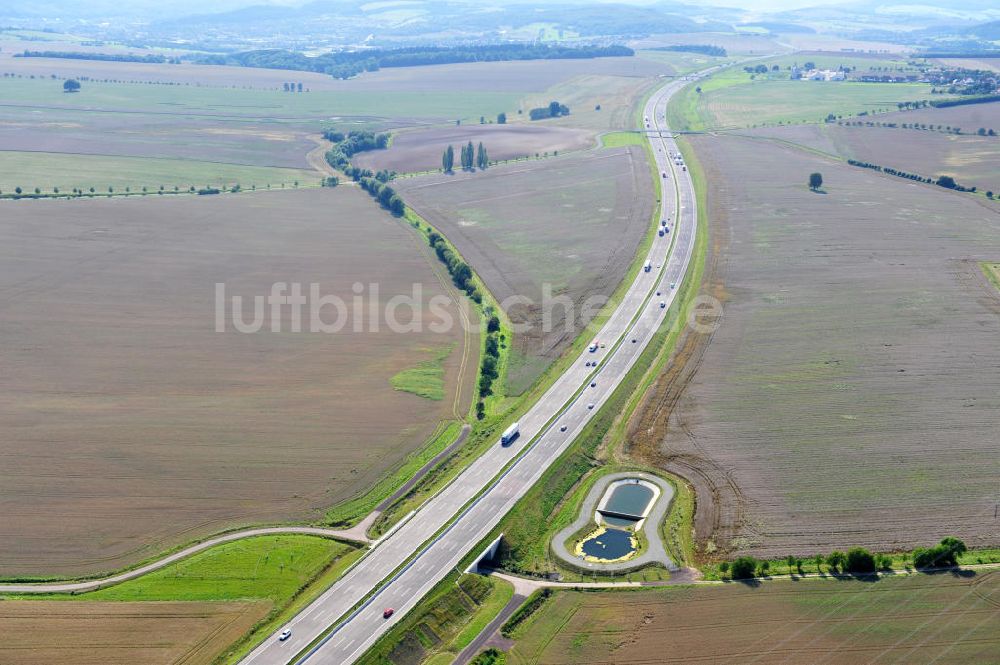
(354, 534)
(317, 158)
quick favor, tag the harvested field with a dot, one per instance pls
(110, 633)
(988, 64)
(48, 170)
(157, 136)
(129, 425)
(969, 158)
(421, 149)
(515, 76)
(915, 619)
(571, 224)
(617, 96)
(850, 396)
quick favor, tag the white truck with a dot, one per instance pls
(593, 346)
(648, 266)
(509, 435)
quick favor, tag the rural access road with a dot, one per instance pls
(355, 534)
(408, 563)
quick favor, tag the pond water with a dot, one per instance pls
(612, 544)
(626, 504)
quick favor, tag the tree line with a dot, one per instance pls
(704, 49)
(962, 101)
(470, 158)
(105, 57)
(350, 144)
(553, 110)
(945, 181)
(856, 561)
(346, 64)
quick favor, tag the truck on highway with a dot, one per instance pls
(509, 435)
(593, 346)
(649, 264)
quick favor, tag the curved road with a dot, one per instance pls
(353, 535)
(408, 563)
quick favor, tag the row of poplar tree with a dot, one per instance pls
(471, 158)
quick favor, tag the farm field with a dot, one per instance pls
(115, 633)
(270, 570)
(731, 99)
(508, 77)
(969, 158)
(48, 170)
(119, 401)
(850, 395)
(570, 223)
(915, 619)
(232, 141)
(421, 149)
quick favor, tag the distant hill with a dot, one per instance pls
(988, 31)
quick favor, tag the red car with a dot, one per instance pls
(387, 613)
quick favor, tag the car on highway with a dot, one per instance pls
(663, 305)
(388, 613)
(673, 285)
(590, 406)
(562, 428)
(593, 384)
(285, 634)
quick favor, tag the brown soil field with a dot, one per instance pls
(969, 158)
(915, 619)
(850, 395)
(573, 222)
(59, 632)
(421, 149)
(128, 425)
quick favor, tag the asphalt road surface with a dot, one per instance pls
(404, 566)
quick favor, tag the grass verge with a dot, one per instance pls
(447, 620)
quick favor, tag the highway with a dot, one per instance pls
(475, 501)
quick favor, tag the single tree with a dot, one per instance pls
(299, 86)
(836, 560)
(471, 155)
(71, 85)
(482, 161)
(743, 568)
(860, 560)
(815, 181)
(790, 560)
(448, 159)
